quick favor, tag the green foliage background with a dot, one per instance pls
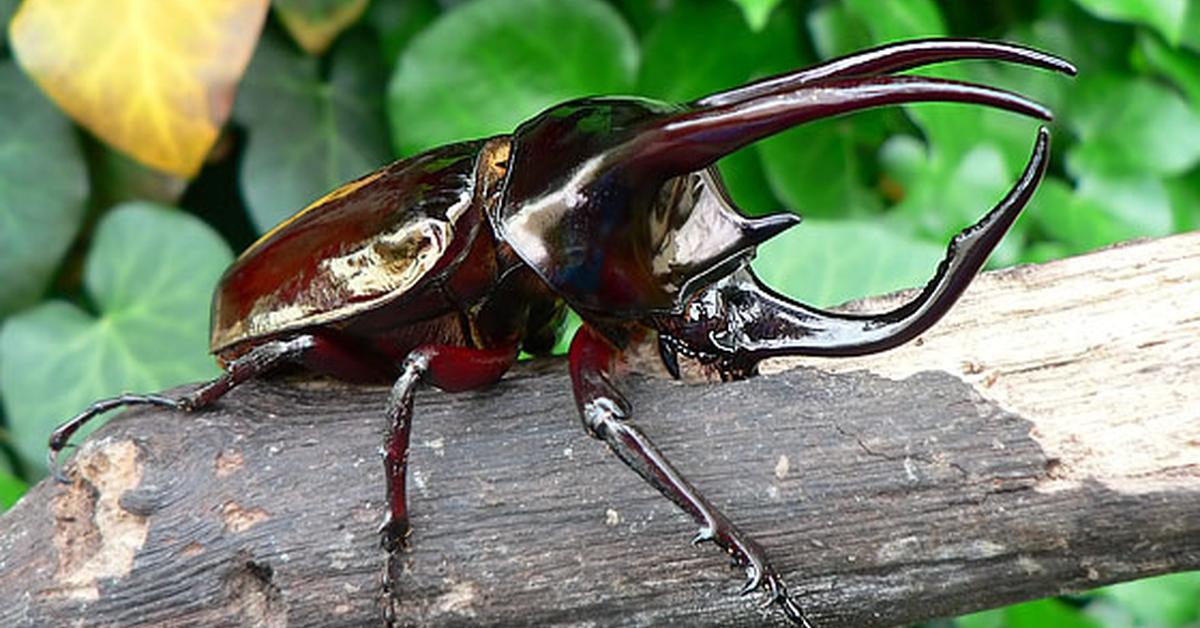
(106, 267)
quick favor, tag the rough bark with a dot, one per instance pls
(1044, 438)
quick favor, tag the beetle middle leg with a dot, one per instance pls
(447, 367)
(605, 414)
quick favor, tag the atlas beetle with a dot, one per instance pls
(441, 267)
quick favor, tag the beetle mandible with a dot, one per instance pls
(441, 267)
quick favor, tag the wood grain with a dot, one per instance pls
(1044, 438)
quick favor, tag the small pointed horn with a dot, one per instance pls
(889, 58)
(694, 139)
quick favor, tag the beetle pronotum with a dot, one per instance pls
(441, 267)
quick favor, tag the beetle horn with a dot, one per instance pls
(695, 139)
(890, 58)
(780, 326)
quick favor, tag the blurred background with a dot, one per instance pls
(142, 144)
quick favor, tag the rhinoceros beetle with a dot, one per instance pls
(441, 267)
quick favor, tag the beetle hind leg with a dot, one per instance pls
(259, 360)
(605, 414)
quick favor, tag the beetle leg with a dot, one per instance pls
(605, 414)
(257, 361)
(895, 57)
(450, 368)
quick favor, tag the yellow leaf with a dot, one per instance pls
(314, 24)
(153, 78)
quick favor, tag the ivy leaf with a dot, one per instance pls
(484, 67)
(825, 263)
(1171, 600)
(1165, 16)
(397, 22)
(1131, 125)
(308, 135)
(1085, 220)
(944, 194)
(43, 186)
(1190, 33)
(895, 20)
(7, 8)
(696, 50)
(819, 171)
(757, 12)
(314, 24)
(150, 272)
(1177, 64)
(836, 31)
(1185, 200)
(11, 489)
(188, 58)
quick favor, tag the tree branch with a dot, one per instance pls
(1043, 439)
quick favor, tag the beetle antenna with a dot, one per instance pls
(695, 139)
(895, 57)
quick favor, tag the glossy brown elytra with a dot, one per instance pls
(441, 267)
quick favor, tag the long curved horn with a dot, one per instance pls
(782, 326)
(889, 58)
(696, 138)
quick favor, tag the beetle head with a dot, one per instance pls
(615, 201)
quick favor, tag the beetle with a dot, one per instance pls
(440, 268)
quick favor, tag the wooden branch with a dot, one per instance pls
(1044, 438)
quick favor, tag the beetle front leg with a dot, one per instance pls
(605, 414)
(453, 369)
(259, 360)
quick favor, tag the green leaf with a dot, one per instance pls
(1089, 219)
(826, 263)
(943, 195)
(818, 170)
(150, 272)
(484, 67)
(696, 50)
(1138, 205)
(43, 186)
(11, 489)
(397, 22)
(1177, 64)
(1129, 126)
(835, 30)
(899, 19)
(757, 12)
(1047, 612)
(746, 181)
(1190, 34)
(1184, 192)
(7, 8)
(1165, 16)
(1172, 600)
(308, 135)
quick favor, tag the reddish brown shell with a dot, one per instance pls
(363, 245)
